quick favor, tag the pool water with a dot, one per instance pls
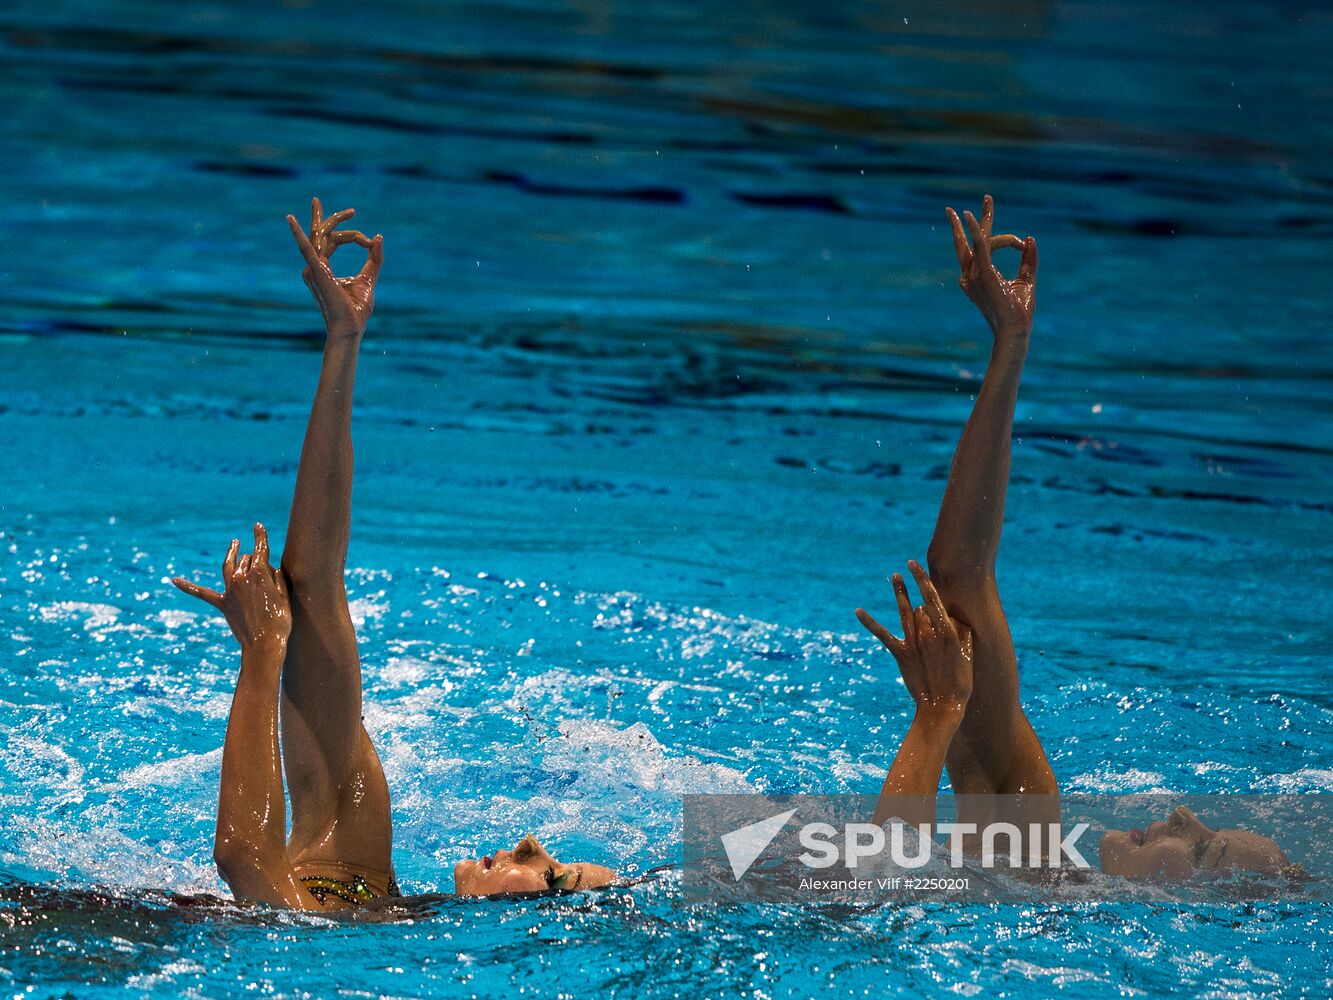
(666, 370)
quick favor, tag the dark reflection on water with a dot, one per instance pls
(740, 167)
(1126, 121)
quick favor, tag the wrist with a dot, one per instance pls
(941, 712)
(1009, 355)
(1015, 334)
(265, 645)
(340, 333)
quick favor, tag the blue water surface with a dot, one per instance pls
(665, 374)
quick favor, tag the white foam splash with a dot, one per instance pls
(1307, 779)
(174, 618)
(95, 615)
(45, 766)
(171, 773)
(105, 855)
(406, 670)
(365, 608)
(607, 755)
(1132, 780)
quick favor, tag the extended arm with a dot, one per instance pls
(318, 529)
(967, 531)
(250, 843)
(914, 780)
(340, 800)
(995, 749)
(935, 658)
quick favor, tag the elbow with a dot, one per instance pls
(953, 570)
(956, 574)
(232, 858)
(252, 874)
(228, 866)
(236, 859)
(317, 578)
(255, 873)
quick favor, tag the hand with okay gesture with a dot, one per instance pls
(345, 302)
(935, 652)
(1007, 304)
(254, 597)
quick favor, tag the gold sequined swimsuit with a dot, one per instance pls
(354, 890)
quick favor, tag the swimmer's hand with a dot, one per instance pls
(935, 653)
(345, 302)
(254, 600)
(1007, 305)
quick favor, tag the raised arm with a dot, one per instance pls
(935, 658)
(250, 843)
(340, 800)
(995, 749)
(967, 531)
(318, 530)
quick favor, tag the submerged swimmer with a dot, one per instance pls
(1180, 845)
(298, 647)
(956, 654)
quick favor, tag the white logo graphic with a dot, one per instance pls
(746, 844)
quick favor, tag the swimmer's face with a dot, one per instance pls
(527, 868)
(1180, 845)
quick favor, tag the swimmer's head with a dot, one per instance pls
(1177, 847)
(527, 868)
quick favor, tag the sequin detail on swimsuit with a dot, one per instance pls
(355, 891)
